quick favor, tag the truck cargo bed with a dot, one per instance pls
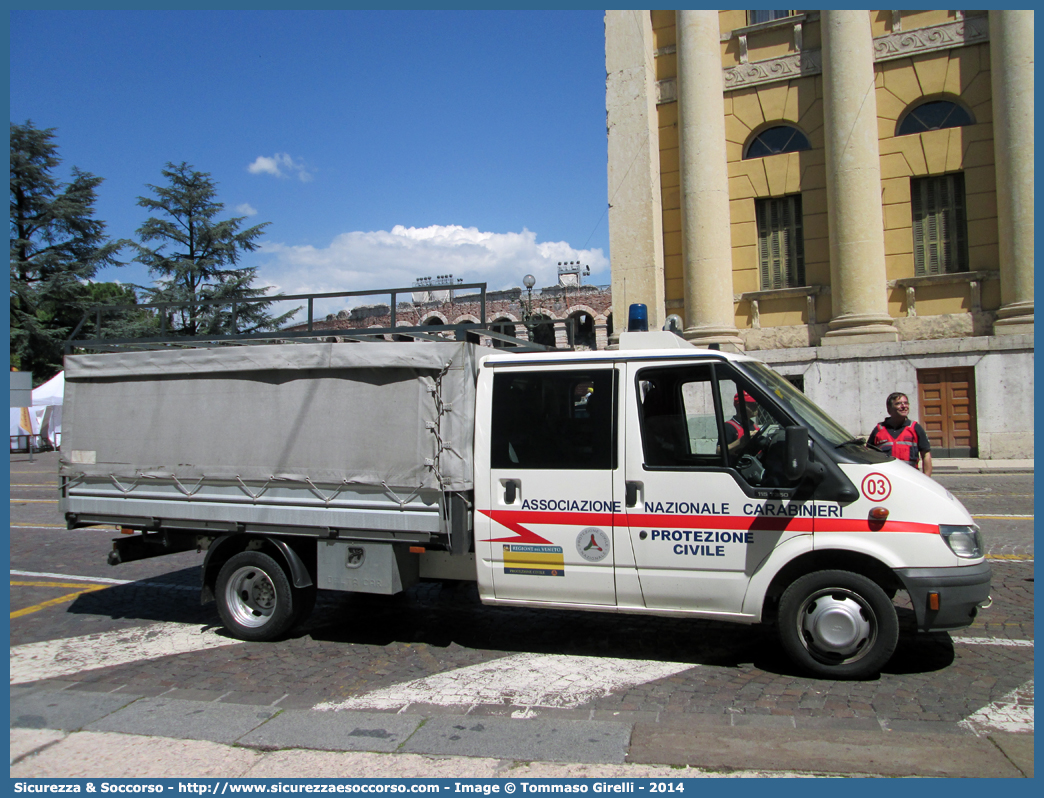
(335, 439)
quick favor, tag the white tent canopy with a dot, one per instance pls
(45, 415)
(51, 392)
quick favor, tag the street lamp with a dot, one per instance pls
(526, 305)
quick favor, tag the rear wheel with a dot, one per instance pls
(838, 624)
(255, 598)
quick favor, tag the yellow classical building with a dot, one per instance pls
(847, 195)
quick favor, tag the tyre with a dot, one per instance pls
(255, 599)
(304, 601)
(838, 624)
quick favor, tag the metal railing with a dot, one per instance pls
(36, 442)
(326, 329)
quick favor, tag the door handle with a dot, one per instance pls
(510, 491)
(631, 493)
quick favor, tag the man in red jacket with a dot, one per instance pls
(901, 437)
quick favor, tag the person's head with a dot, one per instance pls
(745, 398)
(898, 405)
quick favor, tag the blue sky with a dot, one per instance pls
(381, 146)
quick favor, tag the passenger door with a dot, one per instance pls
(696, 505)
(553, 448)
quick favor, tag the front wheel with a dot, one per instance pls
(838, 624)
(255, 599)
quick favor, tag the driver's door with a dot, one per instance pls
(697, 527)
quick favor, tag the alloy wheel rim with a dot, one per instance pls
(250, 596)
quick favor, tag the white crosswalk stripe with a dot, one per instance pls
(523, 681)
(55, 658)
(1012, 713)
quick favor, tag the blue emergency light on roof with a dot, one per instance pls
(638, 318)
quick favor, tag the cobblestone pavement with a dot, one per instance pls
(355, 644)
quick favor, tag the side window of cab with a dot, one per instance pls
(755, 436)
(705, 416)
(678, 417)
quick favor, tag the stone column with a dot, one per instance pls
(1011, 72)
(859, 298)
(706, 225)
(635, 207)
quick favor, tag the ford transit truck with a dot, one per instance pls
(656, 478)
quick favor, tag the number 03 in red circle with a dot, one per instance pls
(876, 487)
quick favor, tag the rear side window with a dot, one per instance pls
(559, 420)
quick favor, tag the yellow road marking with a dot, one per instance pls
(1025, 557)
(49, 584)
(60, 600)
(34, 501)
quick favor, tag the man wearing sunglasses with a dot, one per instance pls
(901, 437)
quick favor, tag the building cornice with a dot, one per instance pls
(964, 32)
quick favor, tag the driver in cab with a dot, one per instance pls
(743, 425)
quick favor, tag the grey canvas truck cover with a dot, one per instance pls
(328, 435)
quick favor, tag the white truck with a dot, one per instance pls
(656, 478)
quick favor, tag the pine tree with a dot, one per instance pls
(56, 246)
(197, 258)
(122, 318)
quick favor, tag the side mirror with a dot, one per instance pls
(797, 453)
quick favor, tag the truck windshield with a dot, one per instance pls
(800, 405)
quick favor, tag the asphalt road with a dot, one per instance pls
(358, 646)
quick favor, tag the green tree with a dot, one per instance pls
(56, 246)
(123, 320)
(197, 258)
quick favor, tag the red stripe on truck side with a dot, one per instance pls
(515, 520)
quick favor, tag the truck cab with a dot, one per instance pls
(664, 479)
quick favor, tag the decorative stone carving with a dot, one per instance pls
(965, 32)
(808, 62)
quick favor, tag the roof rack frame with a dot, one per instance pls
(443, 332)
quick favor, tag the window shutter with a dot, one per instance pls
(781, 248)
(798, 268)
(917, 212)
(960, 226)
(934, 222)
(776, 244)
(940, 224)
(787, 233)
(761, 212)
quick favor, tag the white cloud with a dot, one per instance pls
(379, 259)
(246, 209)
(279, 165)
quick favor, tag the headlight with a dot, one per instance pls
(964, 541)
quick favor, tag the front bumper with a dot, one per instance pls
(962, 590)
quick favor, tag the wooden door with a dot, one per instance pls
(946, 398)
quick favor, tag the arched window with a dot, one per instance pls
(774, 140)
(933, 115)
(582, 330)
(504, 326)
(542, 330)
